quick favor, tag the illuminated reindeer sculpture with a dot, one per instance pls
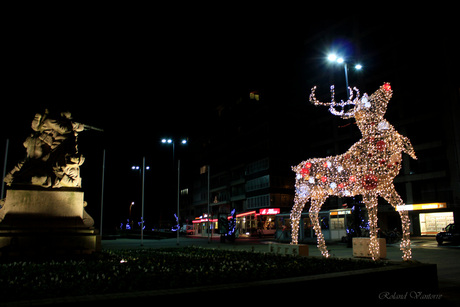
(367, 168)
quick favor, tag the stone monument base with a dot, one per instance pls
(42, 222)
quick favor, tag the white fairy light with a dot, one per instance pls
(367, 168)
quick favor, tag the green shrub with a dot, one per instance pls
(151, 269)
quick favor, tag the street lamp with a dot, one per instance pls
(142, 170)
(334, 58)
(172, 142)
(130, 208)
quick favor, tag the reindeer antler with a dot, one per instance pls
(319, 103)
(332, 105)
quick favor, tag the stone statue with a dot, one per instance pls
(52, 158)
(51, 218)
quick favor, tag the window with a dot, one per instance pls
(257, 166)
(258, 201)
(432, 223)
(258, 183)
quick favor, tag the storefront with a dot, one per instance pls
(433, 223)
(338, 223)
(256, 223)
(252, 223)
(429, 219)
(333, 224)
(201, 226)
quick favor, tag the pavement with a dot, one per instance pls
(424, 249)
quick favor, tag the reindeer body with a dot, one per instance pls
(367, 168)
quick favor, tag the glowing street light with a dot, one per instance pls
(142, 170)
(172, 142)
(334, 58)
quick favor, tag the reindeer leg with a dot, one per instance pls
(314, 210)
(371, 205)
(296, 213)
(395, 200)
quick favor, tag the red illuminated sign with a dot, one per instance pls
(269, 211)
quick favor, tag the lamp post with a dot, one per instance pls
(142, 170)
(4, 169)
(172, 142)
(130, 208)
(340, 60)
(102, 190)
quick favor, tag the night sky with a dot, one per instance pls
(144, 77)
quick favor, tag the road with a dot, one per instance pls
(426, 250)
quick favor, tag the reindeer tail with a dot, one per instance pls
(408, 149)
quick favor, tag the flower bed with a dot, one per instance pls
(150, 269)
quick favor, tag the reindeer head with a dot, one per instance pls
(367, 110)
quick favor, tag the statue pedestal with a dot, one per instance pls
(34, 222)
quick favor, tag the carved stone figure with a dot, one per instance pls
(44, 209)
(52, 158)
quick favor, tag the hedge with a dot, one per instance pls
(149, 269)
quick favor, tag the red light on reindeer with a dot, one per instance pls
(305, 171)
(370, 182)
(380, 145)
(387, 87)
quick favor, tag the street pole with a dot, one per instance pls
(346, 77)
(334, 58)
(173, 143)
(209, 176)
(102, 190)
(173, 146)
(4, 168)
(178, 194)
(142, 215)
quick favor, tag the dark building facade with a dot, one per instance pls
(257, 137)
(243, 160)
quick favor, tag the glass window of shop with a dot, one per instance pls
(283, 228)
(203, 226)
(253, 223)
(266, 222)
(307, 227)
(197, 228)
(246, 224)
(432, 223)
(338, 223)
(283, 223)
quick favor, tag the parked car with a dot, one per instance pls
(187, 229)
(451, 233)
